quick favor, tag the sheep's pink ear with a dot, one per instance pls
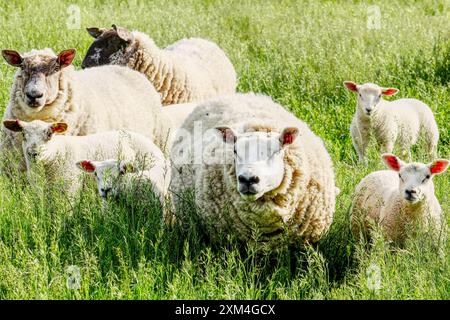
(66, 57)
(288, 136)
(86, 165)
(350, 85)
(392, 162)
(12, 57)
(227, 133)
(59, 127)
(439, 166)
(389, 91)
(95, 32)
(13, 125)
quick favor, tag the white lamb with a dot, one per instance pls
(398, 198)
(47, 88)
(272, 176)
(42, 142)
(114, 176)
(399, 122)
(189, 70)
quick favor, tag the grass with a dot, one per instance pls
(299, 52)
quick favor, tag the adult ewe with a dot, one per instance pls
(46, 87)
(398, 198)
(254, 167)
(187, 71)
(399, 122)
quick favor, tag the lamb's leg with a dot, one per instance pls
(360, 142)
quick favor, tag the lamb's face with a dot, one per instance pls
(369, 95)
(35, 135)
(107, 174)
(415, 179)
(39, 76)
(110, 46)
(259, 159)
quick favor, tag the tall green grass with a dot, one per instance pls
(299, 52)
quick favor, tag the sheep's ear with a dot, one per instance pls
(66, 57)
(227, 133)
(95, 32)
(127, 167)
(350, 85)
(389, 91)
(86, 165)
(58, 127)
(123, 33)
(439, 166)
(13, 125)
(392, 161)
(12, 57)
(288, 136)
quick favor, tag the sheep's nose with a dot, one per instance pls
(368, 111)
(35, 95)
(248, 180)
(105, 191)
(410, 192)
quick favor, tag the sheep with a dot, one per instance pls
(396, 199)
(47, 88)
(190, 70)
(45, 143)
(254, 167)
(399, 122)
(114, 176)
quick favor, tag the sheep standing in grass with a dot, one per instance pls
(187, 71)
(399, 122)
(47, 88)
(397, 198)
(254, 167)
(114, 176)
(42, 142)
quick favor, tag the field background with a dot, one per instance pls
(299, 52)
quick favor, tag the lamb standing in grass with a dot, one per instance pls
(114, 176)
(399, 122)
(47, 88)
(397, 198)
(187, 71)
(43, 143)
(279, 180)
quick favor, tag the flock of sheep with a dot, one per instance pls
(171, 117)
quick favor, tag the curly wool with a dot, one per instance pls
(304, 202)
(189, 70)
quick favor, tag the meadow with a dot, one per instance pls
(298, 52)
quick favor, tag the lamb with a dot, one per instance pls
(396, 199)
(272, 176)
(399, 122)
(190, 70)
(44, 143)
(114, 176)
(47, 88)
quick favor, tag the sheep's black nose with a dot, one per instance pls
(248, 180)
(34, 96)
(410, 192)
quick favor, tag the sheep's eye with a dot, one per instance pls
(95, 174)
(426, 178)
(400, 176)
(359, 94)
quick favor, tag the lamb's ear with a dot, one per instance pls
(123, 33)
(288, 136)
(58, 127)
(350, 85)
(86, 165)
(12, 57)
(66, 57)
(127, 167)
(227, 133)
(439, 166)
(389, 91)
(13, 125)
(392, 161)
(95, 32)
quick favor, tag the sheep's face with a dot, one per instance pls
(369, 95)
(415, 179)
(111, 46)
(35, 134)
(39, 76)
(107, 174)
(258, 159)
